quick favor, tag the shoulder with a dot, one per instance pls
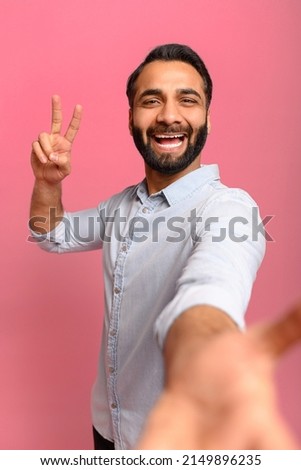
(220, 197)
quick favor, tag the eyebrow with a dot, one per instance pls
(180, 91)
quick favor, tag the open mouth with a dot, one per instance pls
(169, 141)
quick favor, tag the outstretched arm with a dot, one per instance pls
(220, 391)
(51, 163)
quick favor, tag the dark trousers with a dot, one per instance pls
(100, 443)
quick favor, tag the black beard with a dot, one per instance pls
(165, 163)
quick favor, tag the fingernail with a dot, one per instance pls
(54, 157)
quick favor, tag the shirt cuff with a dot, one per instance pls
(55, 236)
(198, 295)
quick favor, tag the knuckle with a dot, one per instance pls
(42, 135)
(36, 150)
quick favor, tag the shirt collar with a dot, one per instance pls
(184, 186)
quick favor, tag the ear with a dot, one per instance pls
(208, 122)
(131, 121)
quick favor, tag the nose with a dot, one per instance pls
(169, 113)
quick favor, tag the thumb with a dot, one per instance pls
(279, 336)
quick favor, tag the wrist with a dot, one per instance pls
(43, 185)
(46, 209)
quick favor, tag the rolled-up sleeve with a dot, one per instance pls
(77, 231)
(228, 249)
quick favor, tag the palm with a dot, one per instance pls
(236, 404)
(226, 398)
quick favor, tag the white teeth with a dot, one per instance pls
(166, 146)
(178, 136)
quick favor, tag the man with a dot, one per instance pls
(179, 252)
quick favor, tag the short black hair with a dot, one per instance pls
(168, 53)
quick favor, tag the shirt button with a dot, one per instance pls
(145, 210)
(116, 290)
(113, 332)
(113, 406)
(124, 247)
(111, 370)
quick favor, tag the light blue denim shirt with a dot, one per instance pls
(195, 242)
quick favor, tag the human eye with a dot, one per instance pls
(188, 101)
(150, 102)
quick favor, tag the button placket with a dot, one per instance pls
(112, 351)
(150, 204)
(113, 340)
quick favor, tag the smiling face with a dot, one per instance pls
(169, 121)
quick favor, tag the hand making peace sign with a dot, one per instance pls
(51, 153)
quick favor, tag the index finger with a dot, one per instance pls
(57, 115)
(278, 337)
(74, 123)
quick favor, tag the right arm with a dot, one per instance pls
(51, 163)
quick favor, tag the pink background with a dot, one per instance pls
(51, 306)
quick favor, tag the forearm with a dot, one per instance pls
(46, 209)
(187, 337)
(176, 421)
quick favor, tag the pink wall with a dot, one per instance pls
(51, 307)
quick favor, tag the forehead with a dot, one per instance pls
(169, 75)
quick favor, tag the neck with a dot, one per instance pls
(157, 181)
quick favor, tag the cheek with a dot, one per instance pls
(143, 118)
(196, 118)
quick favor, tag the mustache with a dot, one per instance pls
(160, 129)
